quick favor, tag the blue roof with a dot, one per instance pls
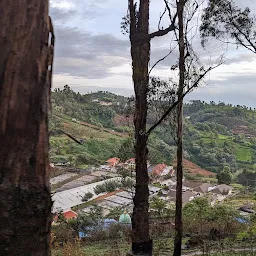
(241, 220)
(107, 222)
(82, 235)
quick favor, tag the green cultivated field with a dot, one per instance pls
(243, 154)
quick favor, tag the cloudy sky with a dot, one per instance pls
(92, 54)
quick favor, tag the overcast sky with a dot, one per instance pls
(92, 54)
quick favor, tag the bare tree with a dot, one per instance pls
(179, 171)
(26, 54)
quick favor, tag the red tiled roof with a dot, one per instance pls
(113, 161)
(70, 215)
(67, 215)
(158, 169)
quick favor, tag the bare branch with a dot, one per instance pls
(71, 137)
(169, 9)
(241, 32)
(162, 32)
(161, 17)
(195, 84)
(162, 59)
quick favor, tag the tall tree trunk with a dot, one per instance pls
(178, 213)
(25, 78)
(140, 52)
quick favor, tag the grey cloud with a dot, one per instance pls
(92, 56)
(238, 90)
(159, 53)
(79, 10)
(240, 58)
(59, 16)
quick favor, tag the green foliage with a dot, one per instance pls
(125, 172)
(115, 212)
(112, 185)
(127, 183)
(225, 176)
(126, 150)
(247, 178)
(208, 139)
(222, 19)
(244, 154)
(99, 189)
(87, 196)
(197, 212)
(199, 216)
(83, 108)
(160, 208)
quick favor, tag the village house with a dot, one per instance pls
(187, 196)
(113, 162)
(61, 163)
(160, 170)
(247, 209)
(130, 163)
(215, 198)
(190, 185)
(204, 188)
(68, 215)
(104, 103)
(222, 189)
(191, 190)
(168, 182)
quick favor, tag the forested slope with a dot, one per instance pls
(215, 134)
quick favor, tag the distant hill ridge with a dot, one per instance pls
(215, 134)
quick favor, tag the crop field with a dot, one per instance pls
(243, 154)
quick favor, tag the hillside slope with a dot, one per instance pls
(215, 135)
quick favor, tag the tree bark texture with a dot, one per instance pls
(140, 52)
(178, 213)
(26, 50)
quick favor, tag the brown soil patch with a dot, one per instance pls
(100, 198)
(194, 169)
(122, 120)
(243, 129)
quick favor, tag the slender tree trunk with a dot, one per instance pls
(25, 78)
(178, 213)
(140, 52)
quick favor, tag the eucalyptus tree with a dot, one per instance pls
(226, 21)
(140, 39)
(26, 54)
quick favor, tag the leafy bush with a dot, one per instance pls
(87, 196)
(225, 176)
(99, 189)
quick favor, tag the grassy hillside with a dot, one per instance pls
(221, 135)
(215, 135)
(97, 145)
